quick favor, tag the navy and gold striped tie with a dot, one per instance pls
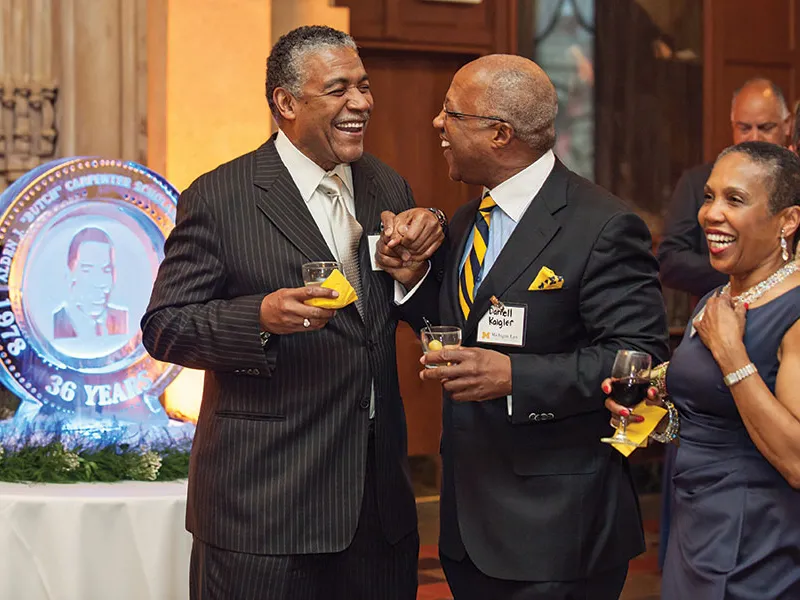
(474, 262)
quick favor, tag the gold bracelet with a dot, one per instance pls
(658, 378)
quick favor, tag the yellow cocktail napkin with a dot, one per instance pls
(639, 432)
(335, 281)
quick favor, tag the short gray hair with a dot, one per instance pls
(783, 171)
(287, 58)
(774, 88)
(529, 104)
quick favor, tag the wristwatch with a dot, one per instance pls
(441, 217)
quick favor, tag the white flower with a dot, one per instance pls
(71, 461)
(148, 467)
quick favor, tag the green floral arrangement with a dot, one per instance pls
(58, 456)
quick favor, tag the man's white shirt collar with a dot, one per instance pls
(514, 195)
(305, 173)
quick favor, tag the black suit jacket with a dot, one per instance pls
(537, 496)
(683, 251)
(278, 461)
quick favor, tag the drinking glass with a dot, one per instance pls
(439, 337)
(630, 378)
(315, 273)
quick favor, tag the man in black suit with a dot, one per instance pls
(533, 505)
(758, 113)
(299, 486)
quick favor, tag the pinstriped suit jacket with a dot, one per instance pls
(278, 460)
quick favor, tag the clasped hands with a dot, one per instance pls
(408, 240)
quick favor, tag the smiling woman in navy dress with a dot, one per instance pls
(735, 382)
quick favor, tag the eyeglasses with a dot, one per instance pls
(460, 115)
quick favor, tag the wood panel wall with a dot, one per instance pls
(746, 39)
(411, 49)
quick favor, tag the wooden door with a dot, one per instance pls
(745, 39)
(411, 50)
(409, 89)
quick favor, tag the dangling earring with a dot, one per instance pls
(784, 247)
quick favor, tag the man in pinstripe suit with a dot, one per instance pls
(299, 486)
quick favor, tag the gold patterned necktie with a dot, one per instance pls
(474, 262)
(346, 233)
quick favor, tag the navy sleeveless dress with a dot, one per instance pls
(735, 532)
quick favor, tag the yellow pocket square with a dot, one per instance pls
(546, 280)
(335, 281)
(639, 432)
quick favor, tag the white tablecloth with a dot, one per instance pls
(101, 541)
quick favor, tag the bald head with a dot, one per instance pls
(517, 90)
(759, 113)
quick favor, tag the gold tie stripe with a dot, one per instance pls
(474, 262)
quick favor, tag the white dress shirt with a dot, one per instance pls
(307, 176)
(513, 197)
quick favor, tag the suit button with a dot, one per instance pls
(533, 417)
(550, 416)
(364, 403)
(255, 371)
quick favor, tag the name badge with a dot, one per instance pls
(503, 324)
(372, 240)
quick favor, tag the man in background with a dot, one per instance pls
(758, 113)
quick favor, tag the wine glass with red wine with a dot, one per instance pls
(630, 378)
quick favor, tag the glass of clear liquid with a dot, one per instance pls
(315, 273)
(439, 337)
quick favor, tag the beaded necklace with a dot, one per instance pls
(758, 290)
(754, 293)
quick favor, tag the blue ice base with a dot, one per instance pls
(95, 434)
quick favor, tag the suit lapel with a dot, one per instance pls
(368, 212)
(460, 234)
(532, 234)
(368, 215)
(283, 205)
